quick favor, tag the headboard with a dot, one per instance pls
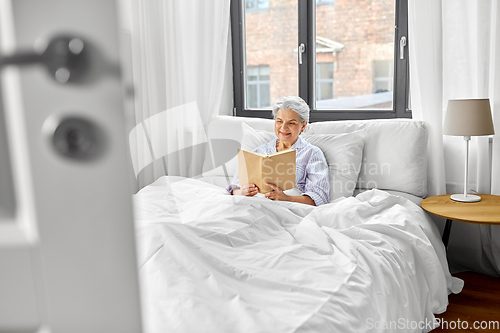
(394, 153)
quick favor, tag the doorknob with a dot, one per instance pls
(64, 58)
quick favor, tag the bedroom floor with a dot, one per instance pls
(479, 301)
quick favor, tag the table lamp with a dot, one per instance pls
(468, 117)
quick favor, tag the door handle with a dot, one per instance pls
(64, 58)
(402, 44)
(302, 49)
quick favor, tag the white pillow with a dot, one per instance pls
(343, 153)
(250, 140)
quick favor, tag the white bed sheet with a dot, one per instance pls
(223, 181)
(212, 262)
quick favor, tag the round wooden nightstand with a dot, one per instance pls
(486, 211)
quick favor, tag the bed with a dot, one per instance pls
(371, 260)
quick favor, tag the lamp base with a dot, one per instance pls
(463, 198)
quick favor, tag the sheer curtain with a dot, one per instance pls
(179, 51)
(491, 235)
(455, 53)
(426, 82)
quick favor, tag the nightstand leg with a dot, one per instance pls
(446, 233)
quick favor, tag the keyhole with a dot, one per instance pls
(77, 138)
(76, 142)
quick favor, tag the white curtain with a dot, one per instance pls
(426, 82)
(179, 51)
(455, 53)
(491, 235)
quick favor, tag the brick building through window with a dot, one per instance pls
(354, 51)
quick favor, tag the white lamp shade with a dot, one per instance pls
(468, 117)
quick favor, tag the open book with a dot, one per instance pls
(259, 169)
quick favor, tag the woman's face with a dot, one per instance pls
(288, 126)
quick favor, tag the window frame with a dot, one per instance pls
(306, 73)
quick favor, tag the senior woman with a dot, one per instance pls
(291, 115)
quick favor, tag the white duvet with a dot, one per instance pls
(212, 262)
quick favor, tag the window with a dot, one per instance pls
(258, 86)
(324, 81)
(382, 75)
(324, 2)
(253, 6)
(344, 61)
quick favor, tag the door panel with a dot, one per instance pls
(71, 235)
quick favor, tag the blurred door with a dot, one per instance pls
(67, 246)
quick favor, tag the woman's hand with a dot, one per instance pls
(247, 190)
(277, 193)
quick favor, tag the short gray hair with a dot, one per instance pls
(293, 103)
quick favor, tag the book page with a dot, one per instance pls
(279, 169)
(258, 169)
(250, 167)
